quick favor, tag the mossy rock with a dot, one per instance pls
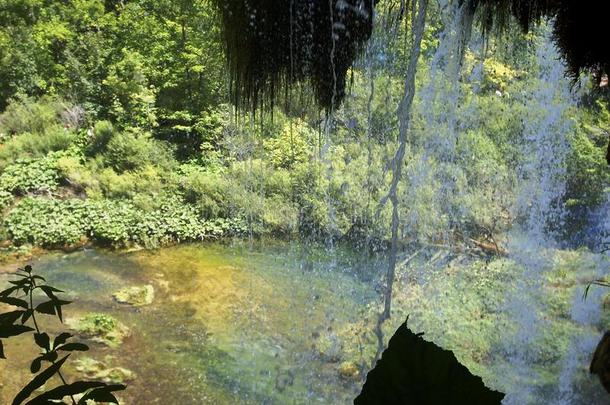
(136, 296)
(101, 371)
(348, 370)
(100, 328)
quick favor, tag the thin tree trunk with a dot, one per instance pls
(404, 118)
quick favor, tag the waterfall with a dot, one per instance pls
(542, 184)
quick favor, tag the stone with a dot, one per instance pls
(136, 296)
(348, 370)
(97, 370)
(101, 328)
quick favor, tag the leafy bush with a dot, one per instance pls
(291, 146)
(35, 145)
(26, 175)
(103, 132)
(132, 150)
(6, 198)
(47, 222)
(36, 117)
(57, 223)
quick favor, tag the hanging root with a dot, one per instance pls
(273, 44)
(404, 117)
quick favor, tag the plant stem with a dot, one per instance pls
(38, 331)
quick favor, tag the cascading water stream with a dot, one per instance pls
(542, 184)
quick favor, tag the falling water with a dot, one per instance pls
(542, 180)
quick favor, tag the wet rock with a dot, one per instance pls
(101, 328)
(348, 370)
(161, 282)
(97, 370)
(136, 295)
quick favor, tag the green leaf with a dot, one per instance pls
(38, 381)
(8, 291)
(48, 290)
(42, 340)
(102, 394)
(70, 347)
(39, 278)
(36, 364)
(9, 318)
(61, 339)
(7, 331)
(46, 308)
(62, 391)
(14, 301)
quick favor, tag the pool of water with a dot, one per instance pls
(275, 323)
(229, 323)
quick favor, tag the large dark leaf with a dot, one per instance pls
(36, 364)
(102, 394)
(38, 381)
(7, 331)
(48, 290)
(8, 318)
(415, 371)
(42, 340)
(46, 308)
(8, 291)
(62, 391)
(61, 339)
(14, 301)
(74, 347)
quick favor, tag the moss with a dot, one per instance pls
(136, 295)
(100, 328)
(98, 370)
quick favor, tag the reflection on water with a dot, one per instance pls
(228, 324)
(277, 323)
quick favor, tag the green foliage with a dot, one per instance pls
(131, 151)
(47, 222)
(58, 223)
(30, 175)
(291, 146)
(36, 117)
(15, 323)
(102, 134)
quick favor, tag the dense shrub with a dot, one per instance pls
(30, 175)
(34, 145)
(132, 150)
(53, 222)
(47, 222)
(102, 133)
(37, 116)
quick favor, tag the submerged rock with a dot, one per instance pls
(348, 370)
(97, 370)
(136, 295)
(100, 328)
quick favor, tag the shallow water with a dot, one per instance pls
(272, 322)
(229, 324)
